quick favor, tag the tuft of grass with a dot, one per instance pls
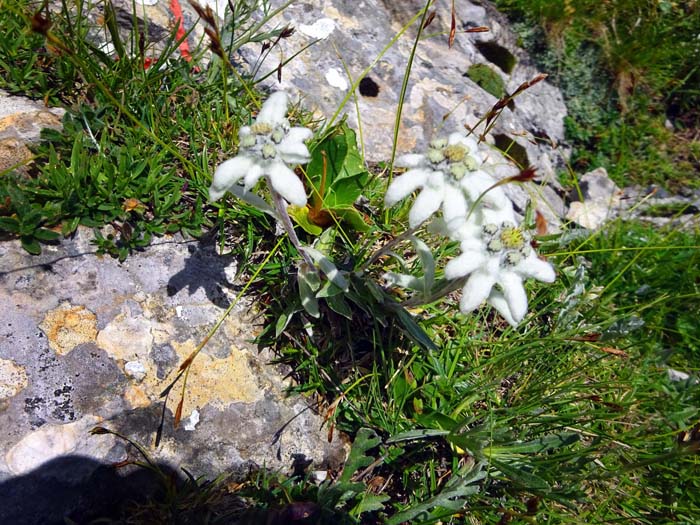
(626, 69)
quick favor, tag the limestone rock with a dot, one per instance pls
(596, 200)
(440, 98)
(88, 340)
(21, 122)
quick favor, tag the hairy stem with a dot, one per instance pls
(281, 207)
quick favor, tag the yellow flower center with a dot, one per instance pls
(260, 128)
(455, 152)
(512, 238)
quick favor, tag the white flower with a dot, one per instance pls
(266, 149)
(447, 175)
(497, 262)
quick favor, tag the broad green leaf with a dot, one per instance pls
(300, 215)
(31, 245)
(43, 234)
(9, 224)
(345, 174)
(365, 440)
(339, 305)
(354, 218)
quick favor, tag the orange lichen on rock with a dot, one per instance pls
(69, 326)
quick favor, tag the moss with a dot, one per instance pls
(487, 79)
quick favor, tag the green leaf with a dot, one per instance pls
(345, 171)
(536, 446)
(18, 200)
(284, 319)
(307, 294)
(31, 245)
(519, 475)
(300, 215)
(43, 234)
(412, 328)
(369, 503)
(453, 496)
(413, 435)
(354, 218)
(9, 224)
(365, 440)
(338, 304)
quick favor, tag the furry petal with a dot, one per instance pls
(401, 187)
(427, 203)
(285, 182)
(274, 109)
(477, 289)
(498, 301)
(514, 294)
(536, 268)
(227, 174)
(463, 264)
(292, 148)
(476, 183)
(454, 207)
(409, 160)
(254, 173)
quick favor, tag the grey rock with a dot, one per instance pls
(440, 97)
(595, 200)
(71, 328)
(21, 122)
(598, 199)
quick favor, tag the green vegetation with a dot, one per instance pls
(487, 79)
(626, 69)
(570, 418)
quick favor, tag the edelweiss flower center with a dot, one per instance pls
(507, 241)
(451, 159)
(262, 139)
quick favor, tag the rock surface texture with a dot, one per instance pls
(21, 121)
(87, 341)
(441, 97)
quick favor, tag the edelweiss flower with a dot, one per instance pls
(266, 149)
(448, 176)
(497, 263)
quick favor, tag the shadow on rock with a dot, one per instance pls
(204, 269)
(76, 489)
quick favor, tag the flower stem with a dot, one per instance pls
(388, 246)
(449, 286)
(281, 207)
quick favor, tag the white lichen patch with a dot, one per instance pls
(336, 79)
(13, 379)
(69, 326)
(190, 424)
(321, 28)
